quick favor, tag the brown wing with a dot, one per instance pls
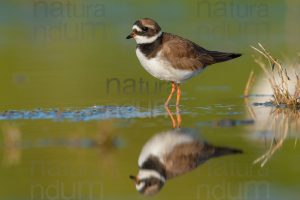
(186, 157)
(184, 54)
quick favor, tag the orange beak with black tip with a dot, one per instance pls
(131, 35)
(134, 178)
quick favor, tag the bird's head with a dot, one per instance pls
(148, 182)
(145, 31)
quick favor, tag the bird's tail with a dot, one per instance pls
(221, 56)
(222, 151)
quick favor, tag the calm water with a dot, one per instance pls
(76, 107)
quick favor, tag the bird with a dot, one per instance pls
(170, 154)
(170, 57)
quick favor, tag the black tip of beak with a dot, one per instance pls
(131, 176)
(129, 36)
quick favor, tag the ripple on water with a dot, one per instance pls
(85, 114)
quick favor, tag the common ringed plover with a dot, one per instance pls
(170, 57)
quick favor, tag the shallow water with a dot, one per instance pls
(74, 116)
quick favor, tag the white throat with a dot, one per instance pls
(145, 40)
(145, 174)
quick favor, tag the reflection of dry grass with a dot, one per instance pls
(105, 139)
(12, 145)
(284, 120)
(280, 86)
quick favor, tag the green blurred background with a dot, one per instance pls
(73, 54)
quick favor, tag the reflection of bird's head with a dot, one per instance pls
(148, 182)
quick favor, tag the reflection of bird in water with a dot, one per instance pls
(170, 154)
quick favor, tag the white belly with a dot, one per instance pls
(162, 69)
(162, 144)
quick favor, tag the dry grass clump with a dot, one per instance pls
(280, 86)
(285, 117)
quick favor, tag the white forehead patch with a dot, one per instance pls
(136, 28)
(144, 39)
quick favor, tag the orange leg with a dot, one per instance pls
(179, 119)
(171, 116)
(178, 95)
(171, 94)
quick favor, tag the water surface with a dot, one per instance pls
(76, 107)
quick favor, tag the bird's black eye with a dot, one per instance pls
(145, 28)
